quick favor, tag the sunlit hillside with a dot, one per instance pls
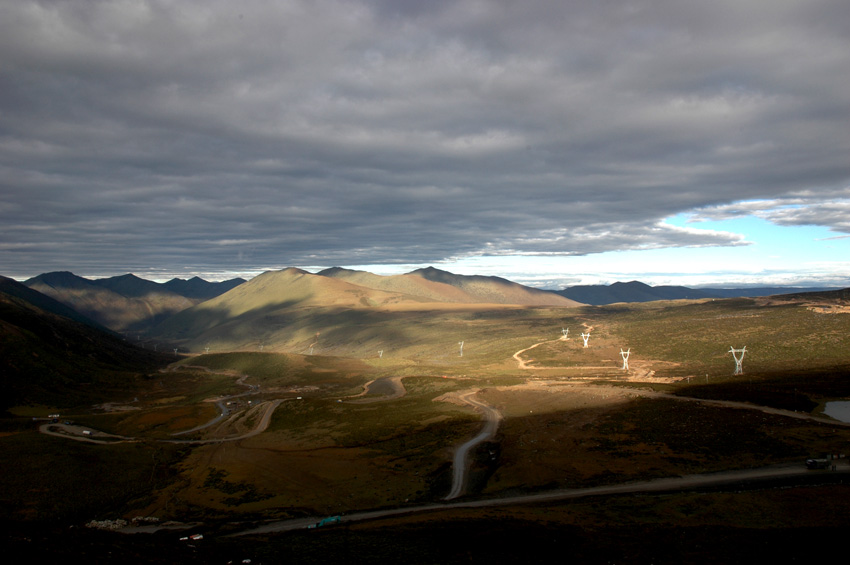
(347, 313)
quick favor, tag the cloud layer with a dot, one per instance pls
(218, 136)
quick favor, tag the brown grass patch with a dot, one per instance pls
(570, 436)
(166, 421)
(296, 482)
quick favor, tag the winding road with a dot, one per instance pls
(395, 385)
(90, 435)
(521, 364)
(492, 418)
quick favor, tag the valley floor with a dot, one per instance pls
(525, 429)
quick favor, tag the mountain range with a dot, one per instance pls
(287, 309)
(195, 312)
(127, 303)
(281, 307)
(430, 284)
(636, 291)
(60, 328)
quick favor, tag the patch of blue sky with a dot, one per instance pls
(775, 255)
(792, 244)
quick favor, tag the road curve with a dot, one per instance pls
(268, 407)
(82, 433)
(223, 410)
(492, 418)
(76, 432)
(521, 364)
(395, 384)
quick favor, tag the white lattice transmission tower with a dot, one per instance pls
(625, 356)
(566, 332)
(585, 337)
(738, 355)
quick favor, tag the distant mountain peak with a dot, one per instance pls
(131, 286)
(198, 288)
(431, 270)
(294, 271)
(334, 271)
(630, 284)
(636, 291)
(59, 279)
(434, 274)
(57, 275)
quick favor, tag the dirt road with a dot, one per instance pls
(523, 365)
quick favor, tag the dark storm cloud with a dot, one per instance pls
(214, 136)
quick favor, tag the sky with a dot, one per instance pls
(552, 143)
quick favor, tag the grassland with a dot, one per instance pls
(572, 418)
(47, 480)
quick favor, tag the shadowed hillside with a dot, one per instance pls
(633, 291)
(198, 288)
(50, 357)
(13, 289)
(127, 302)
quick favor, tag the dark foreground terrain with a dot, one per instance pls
(314, 436)
(749, 523)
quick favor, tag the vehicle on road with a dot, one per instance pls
(325, 522)
(817, 463)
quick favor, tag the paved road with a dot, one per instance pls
(658, 485)
(262, 425)
(76, 432)
(224, 411)
(492, 419)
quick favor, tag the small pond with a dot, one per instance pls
(838, 409)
